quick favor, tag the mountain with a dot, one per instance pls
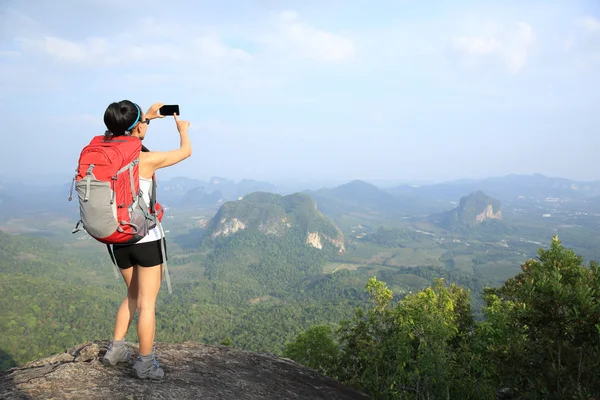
(506, 189)
(187, 192)
(173, 190)
(246, 186)
(360, 196)
(198, 197)
(472, 210)
(273, 214)
(230, 190)
(269, 243)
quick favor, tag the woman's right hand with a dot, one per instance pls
(161, 159)
(182, 126)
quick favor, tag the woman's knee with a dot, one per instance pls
(146, 304)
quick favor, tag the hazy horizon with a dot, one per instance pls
(305, 183)
(296, 90)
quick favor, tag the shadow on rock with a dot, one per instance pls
(8, 389)
(6, 361)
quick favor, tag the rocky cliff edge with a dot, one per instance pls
(192, 371)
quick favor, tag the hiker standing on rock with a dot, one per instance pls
(138, 242)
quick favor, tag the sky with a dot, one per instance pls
(389, 90)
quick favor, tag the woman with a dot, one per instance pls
(141, 264)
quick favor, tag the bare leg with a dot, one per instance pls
(149, 279)
(129, 305)
(117, 351)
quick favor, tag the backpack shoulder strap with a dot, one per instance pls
(162, 240)
(153, 194)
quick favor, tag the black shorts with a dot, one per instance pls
(143, 254)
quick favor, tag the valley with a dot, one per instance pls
(255, 266)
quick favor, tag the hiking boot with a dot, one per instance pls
(116, 353)
(146, 367)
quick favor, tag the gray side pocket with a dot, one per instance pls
(140, 217)
(98, 215)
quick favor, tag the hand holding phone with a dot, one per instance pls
(169, 110)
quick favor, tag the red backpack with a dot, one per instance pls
(111, 206)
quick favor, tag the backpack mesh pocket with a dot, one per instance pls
(98, 215)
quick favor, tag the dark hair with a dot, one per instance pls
(121, 117)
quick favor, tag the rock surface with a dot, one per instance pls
(192, 371)
(488, 213)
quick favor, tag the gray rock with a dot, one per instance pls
(192, 371)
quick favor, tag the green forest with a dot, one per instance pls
(393, 332)
(539, 337)
(256, 291)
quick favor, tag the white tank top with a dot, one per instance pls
(146, 189)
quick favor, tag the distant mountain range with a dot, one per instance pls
(358, 195)
(355, 196)
(506, 189)
(188, 192)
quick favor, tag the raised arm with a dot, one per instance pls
(161, 159)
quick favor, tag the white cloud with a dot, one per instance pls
(114, 51)
(590, 23)
(198, 55)
(295, 37)
(212, 50)
(583, 44)
(288, 35)
(518, 46)
(510, 47)
(477, 45)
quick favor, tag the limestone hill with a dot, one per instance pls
(192, 371)
(272, 214)
(472, 210)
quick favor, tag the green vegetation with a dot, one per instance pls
(41, 316)
(390, 237)
(260, 261)
(258, 290)
(263, 288)
(539, 337)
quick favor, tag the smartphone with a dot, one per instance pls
(169, 110)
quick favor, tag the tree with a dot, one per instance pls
(542, 326)
(316, 349)
(417, 348)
